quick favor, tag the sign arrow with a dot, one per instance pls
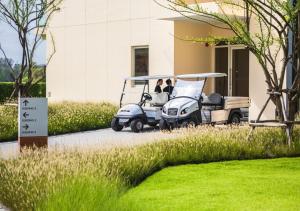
(25, 102)
(25, 115)
(26, 127)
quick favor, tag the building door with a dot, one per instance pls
(221, 66)
(240, 72)
(234, 61)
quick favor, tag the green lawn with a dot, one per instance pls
(237, 185)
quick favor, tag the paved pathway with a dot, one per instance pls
(2, 208)
(105, 138)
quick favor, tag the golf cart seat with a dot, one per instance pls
(159, 99)
(213, 99)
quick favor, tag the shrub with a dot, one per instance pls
(6, 89)
(8, 123)
(63, 118)
(38, 90)
(31, 180)
(73, 117)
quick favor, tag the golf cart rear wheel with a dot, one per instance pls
(115, 125)
(235, 119)
(163, 125)
(137, 125)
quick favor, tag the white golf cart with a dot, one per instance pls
(190, 106)
(147, 111)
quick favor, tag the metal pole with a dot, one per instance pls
(123, 93)
(144, 90)
(148, 87)
(202, 91)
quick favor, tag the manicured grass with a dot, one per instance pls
(235, 185)
(66, 117)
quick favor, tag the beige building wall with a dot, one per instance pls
(258, 92)
(191, 57)
(258, 86)
(94, 40)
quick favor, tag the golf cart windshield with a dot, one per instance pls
(135, 93)
(191, 89)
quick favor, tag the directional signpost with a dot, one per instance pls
(33, 122)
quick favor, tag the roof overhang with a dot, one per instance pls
(211, 7)
(146, 78)
(202, 75)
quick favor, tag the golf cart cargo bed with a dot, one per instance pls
(230, 104)
(236, 102)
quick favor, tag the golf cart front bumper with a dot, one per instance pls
(175, 121)
(125, 120)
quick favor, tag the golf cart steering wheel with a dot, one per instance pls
(147, 96)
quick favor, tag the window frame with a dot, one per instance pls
(133, 61)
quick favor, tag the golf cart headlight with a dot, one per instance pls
(184, 111)
(164, 110)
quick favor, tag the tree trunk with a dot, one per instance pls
(279, 108)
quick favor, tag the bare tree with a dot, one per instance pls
(29, 19)
(276, 27)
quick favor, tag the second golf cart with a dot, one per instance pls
(190, 106)
(147, 110)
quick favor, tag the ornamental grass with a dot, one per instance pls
(92, 179)
(66, 117)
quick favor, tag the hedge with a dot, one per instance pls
(6, 88)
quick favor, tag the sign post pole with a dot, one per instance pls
(33, 122)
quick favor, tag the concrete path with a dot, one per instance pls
(2, 208)
(105, 138)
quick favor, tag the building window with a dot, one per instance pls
(140, 62)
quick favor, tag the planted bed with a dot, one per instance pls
(99, 179)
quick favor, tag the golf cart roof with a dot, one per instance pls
(146, 78)
(202, 75)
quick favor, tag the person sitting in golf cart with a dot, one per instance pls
(158, 86)
(169, 88)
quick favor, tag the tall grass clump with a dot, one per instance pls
(73, 117)
(63, 118)
(47, 180)
(8, 123)
(86, 193)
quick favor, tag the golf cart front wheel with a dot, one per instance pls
(115, 125)
(235, 119)
(153, 124)
(163, 125)
(137, 125)
(188, 124)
